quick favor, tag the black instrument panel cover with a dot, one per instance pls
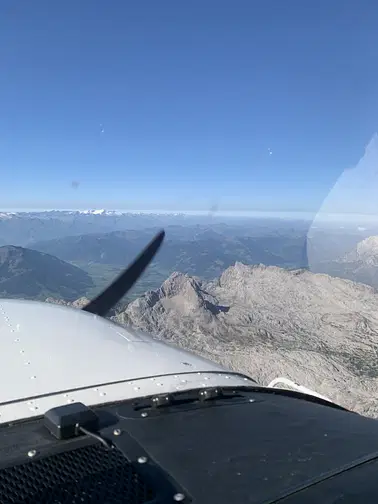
(256, 447)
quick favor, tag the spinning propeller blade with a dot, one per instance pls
(101, 304)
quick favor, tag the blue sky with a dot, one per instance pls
(177, 105)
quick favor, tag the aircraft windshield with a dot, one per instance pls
(247, 131)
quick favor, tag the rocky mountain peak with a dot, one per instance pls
(239, 274)
(366, 252)
(268, 322)
(180, 283)
(180, 293)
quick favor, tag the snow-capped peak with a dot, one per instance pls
(93, 212)
(6, 215)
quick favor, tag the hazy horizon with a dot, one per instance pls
(307, 216)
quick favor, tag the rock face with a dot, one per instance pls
(267, 321)
(78, 303)
(359, 265)
(366, 252)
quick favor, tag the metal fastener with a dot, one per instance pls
(178, 497)
(251, 400)
(117, 432)
(32, 453)
(144, 414)
(142, 460)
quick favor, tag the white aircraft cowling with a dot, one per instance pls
(52, 355)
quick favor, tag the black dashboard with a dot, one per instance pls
(225, 445)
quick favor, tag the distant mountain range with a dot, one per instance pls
(317, 330)
(26, 228)
(205, 251)
(29, 274)
(198, 251)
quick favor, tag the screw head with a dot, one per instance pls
(32, 453)
(144, 414)
(117, 432)
(142, 460)
(178, 497)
